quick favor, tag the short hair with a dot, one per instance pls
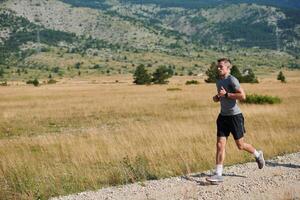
(224, 59)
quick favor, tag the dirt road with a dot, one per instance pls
(279, 179)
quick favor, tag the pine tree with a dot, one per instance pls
(141, 76)
(234, 71)
(250, 77)
(161, 75)
(212, 73)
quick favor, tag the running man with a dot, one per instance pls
(230, 119)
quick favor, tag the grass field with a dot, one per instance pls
(81, 134)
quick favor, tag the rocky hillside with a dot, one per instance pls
(216, 24)
(157, 26)
(114, 31)
(97, 23)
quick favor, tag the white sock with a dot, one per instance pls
(219, 170)
(256, 154)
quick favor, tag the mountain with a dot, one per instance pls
(83, 21)
(192, 4)
(154, 25)
(216, 23)
(188, 4)
(110, 28)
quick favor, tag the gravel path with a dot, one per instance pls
(279, 179)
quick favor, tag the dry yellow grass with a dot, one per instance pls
(86, 134)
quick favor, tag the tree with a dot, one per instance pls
(141, 76)
(35, 82)
(250, 77)
(281, 77)
(212, 73)
(234, 71)
(161, 74)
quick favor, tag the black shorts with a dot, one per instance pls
(231, 124)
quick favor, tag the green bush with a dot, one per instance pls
(192, 82)
(55, 70)
(281, 77)
(34, 82)
(261, 99)
(77, 65)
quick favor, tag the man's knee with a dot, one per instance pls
(221, 145)
(240, 145)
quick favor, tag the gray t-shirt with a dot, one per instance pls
(229, 106)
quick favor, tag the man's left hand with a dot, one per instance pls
(222, 92)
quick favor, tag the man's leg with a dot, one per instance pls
(220, 157)
(244, 146)
(249, 148)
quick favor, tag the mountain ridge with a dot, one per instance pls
(117, 32)
(153, 27)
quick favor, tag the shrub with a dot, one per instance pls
(192, 82)
(97, 66)
(34, 82)
(261, 99)
(281, 77)
(77, 65)
(55, 69)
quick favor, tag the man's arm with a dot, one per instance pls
(239, 94)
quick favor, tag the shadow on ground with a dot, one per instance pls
(275, 164)
(195, 178)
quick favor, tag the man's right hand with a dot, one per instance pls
(216, 98)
